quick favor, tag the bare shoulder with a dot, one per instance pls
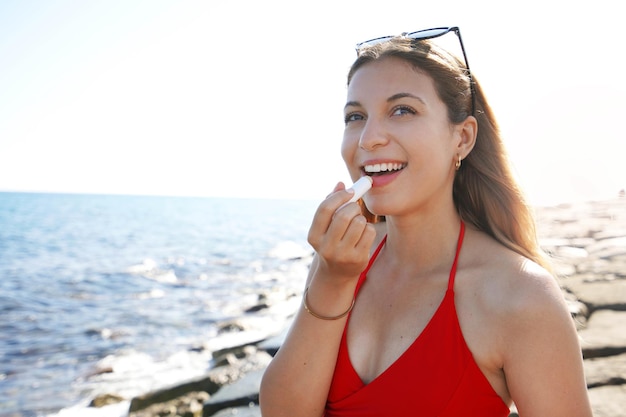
(508, 299)
(510, 283)
(516, 322)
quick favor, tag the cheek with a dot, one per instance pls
(348, 147)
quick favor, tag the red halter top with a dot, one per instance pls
(435, 376)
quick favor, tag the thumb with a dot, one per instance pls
(339, 187)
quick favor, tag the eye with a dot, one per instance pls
(403, 111)
(353, 117)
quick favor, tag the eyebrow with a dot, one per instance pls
(405, 95)
(394, 97)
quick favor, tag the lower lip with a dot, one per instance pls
(382, 180)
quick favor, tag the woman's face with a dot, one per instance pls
(397, 131)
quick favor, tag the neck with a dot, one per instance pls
(422, 242)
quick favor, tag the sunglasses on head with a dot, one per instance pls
(423, 35)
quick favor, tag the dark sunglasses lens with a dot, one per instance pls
(428, 33)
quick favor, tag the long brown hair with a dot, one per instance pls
(485, 192)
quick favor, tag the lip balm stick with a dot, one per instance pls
(360, 187)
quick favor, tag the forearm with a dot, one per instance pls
(297, 381)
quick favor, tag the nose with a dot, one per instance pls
(373, 135)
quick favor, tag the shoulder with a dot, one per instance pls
(519, 300)
(508, 280)
(522, 327)
(516, 323)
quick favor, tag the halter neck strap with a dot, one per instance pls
(456, 257)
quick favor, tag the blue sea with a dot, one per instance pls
(125, 294)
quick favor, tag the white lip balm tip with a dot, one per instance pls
(360, 187)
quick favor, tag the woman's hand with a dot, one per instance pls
(341, 237)
(297, 381)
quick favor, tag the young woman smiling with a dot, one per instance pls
(445, 306)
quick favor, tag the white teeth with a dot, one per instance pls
(384, 167)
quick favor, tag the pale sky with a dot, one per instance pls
(244, 98)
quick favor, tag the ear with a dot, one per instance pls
(465, 137)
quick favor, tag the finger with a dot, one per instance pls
(354, 233)
(367, 238)
(358, 242)
(349, 256)
(342, 220)
(326, 210)
(340, 186)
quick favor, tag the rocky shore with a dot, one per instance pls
(587, 242)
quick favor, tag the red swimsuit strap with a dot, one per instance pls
(369, 265)
(456, 257)
(382, 243)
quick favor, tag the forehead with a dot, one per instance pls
(389, 76)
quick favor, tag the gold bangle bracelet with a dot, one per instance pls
(319, 316)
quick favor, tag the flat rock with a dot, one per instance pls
(272, 344)
(608, 401)
(608, 247)
(241, 393)
(598, 292)
(610, 370)
(204, 384)
(605, 334)
(250, 411)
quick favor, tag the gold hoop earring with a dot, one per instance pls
(457, 165)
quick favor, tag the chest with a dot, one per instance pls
(401, 327)
(387, 321)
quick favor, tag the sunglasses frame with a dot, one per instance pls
(429, 34)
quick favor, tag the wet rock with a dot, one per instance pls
(272, 344)
(243, 393)
(206, 384)
(231, 370)
(188, 405)
(105, 399)
(248, 411)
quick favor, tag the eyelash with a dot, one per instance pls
(350, 117)
(407, 109)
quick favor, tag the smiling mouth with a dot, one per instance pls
(383, 169)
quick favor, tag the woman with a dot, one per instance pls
(446, 307)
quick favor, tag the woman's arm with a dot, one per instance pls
(297, 381)
(542, 355)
